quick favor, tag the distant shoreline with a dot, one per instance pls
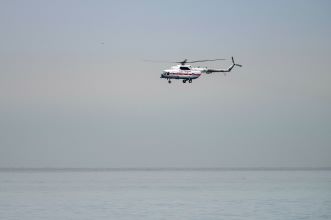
(215, 169)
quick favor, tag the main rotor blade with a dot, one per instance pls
(181, 62)
(200, 61)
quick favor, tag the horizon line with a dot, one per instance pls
(109, 169)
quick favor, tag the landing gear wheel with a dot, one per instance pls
(169, 81)
(184, 81)
(190, 81)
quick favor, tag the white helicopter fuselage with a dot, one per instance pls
(184, 72)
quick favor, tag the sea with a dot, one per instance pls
(151, 194)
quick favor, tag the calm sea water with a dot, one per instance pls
(165, 194)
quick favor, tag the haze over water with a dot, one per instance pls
(75, 92)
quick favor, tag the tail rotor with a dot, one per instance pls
(236, 64)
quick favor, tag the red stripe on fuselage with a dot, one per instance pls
(186, 74)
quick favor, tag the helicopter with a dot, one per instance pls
(187, 73)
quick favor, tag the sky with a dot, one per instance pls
(75, 90)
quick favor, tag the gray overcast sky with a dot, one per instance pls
(74, 91)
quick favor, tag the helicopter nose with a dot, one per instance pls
(163, 74)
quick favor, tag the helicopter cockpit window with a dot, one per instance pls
(184, 68)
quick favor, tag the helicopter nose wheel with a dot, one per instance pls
(184, 81)
(190, 81)
(169, 81)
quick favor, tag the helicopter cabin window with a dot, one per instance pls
(184, 68)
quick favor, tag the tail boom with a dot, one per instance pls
(208, 71)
